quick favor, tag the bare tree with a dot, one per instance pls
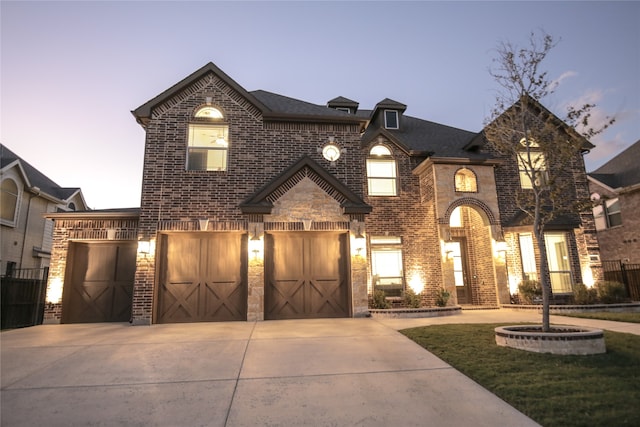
(544, 146)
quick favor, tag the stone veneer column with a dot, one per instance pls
(360, 298)
(255, 295)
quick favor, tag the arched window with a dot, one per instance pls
(209, 113)
(465, 181)
(208, 141)
(381, 172)
(9, 201)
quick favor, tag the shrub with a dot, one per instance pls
(611, 292)
(442, 297)
(411, 299)
(583, 295)
(529, 290)
(379, 300)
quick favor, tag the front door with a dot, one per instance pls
(461, 270)
(307, 275)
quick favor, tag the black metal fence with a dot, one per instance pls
(628, 274)
(22, 294)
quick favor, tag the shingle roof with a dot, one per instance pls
(35, 177)
(285, 105)
(622, 170)
(423, 135)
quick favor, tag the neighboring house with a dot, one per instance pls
(615, 191)
(27, 195)
(258, 206)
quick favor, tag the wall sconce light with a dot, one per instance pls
(144, 247)
(500, 250)
(256, 241)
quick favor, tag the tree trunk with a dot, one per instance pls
(544, 280)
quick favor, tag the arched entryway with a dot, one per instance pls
(471, 261)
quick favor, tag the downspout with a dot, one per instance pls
(36, 190)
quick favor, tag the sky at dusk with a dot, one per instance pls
(71, 72)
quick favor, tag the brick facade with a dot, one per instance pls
(261, 191)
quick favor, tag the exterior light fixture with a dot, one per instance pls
(144, 247)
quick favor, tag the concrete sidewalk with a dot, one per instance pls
(338, 372)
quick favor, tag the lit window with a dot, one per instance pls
(386, 264)
(559, 266)
(209, 112)
(531, 164)
(527, 257)
(455, 220)
(9, 202)
(208, 145)
(391, 119)
(465, 181)
(381, 172)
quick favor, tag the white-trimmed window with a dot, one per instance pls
(532, 165)
(381, 172)
(208, 141)
(386, 264)
(607, 214)
(527, 257)
(465, 181)
(9, 202)
(559, 265)
(391, 119)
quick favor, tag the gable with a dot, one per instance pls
(262, 202)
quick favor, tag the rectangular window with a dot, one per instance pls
(527, 257)
(381, 177)
(391, 119)
(208, 146)
(608, 214)
(386, 264)
(614, 217)
(559, 266)
(532, 165)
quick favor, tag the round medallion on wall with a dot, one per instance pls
(331, 152)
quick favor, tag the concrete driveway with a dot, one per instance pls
(339, 372)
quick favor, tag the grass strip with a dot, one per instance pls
(606, 315)
(553, 390)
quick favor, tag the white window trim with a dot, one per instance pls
(19, 192)
(393, 178)
(397, 119)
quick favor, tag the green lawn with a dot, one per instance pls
(597, 390)
(605, 315)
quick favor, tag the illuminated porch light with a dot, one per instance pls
(54, 291)
(500, 249)
(447, 250)
(144, 247)
(256, 248)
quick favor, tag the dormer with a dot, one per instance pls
(343, 104)
(388, 114)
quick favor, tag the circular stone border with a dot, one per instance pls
(562, 339)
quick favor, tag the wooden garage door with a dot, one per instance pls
(307, 275)
(99, 282)
(203, 278)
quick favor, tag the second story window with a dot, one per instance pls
(9, 202)
(208, 141)
(391, 119)
(381, 172)
(532, 168)
(465, 181)
(607, 214)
